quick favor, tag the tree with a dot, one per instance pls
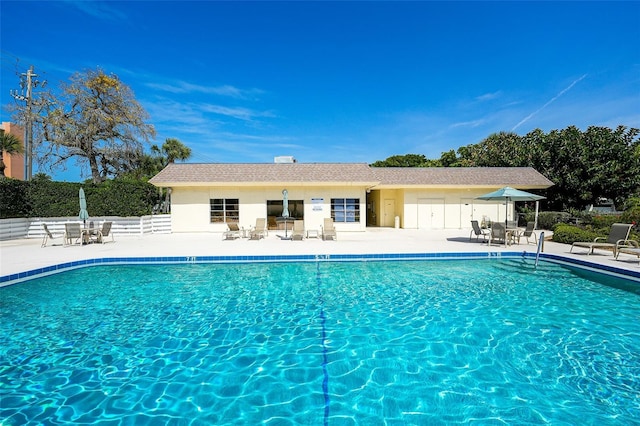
(9, 144)
(148, 165)
(585, 166)
(408, 160)
(173, 150)
(96, 120)
(502, 149)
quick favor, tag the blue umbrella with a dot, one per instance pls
(507, 194)
(84, 214)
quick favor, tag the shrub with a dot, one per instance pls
(632, 215)
(605, 220)
(549, 220)
(46, 198)
(569, 234)
(14, 201)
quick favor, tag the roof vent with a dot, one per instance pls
(284, 159)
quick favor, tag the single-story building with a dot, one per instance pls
(205, 197)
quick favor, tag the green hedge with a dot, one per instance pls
(569, 234)
(45, 198)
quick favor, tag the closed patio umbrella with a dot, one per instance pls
(84, 214)
(285, 203)
(507, 194)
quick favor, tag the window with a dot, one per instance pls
(274, 210)
(225, 210)
(345, 209)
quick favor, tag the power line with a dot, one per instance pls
(27, 84)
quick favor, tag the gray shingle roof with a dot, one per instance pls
(333, 174)
(521, 177)
(265, 173)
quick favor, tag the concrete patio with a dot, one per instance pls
(26, 254)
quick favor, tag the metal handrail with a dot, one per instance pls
(540, 245)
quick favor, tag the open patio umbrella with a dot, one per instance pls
(84, 214)
(507, 194)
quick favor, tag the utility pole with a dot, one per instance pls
(27, 84)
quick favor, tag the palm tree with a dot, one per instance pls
(172, 150)
(10, 144)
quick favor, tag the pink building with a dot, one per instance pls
(14, 163)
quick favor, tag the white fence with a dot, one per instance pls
(136, 225)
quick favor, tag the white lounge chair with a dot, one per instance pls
(102, 233)
(298, 230)
(72, 231)
(233, 232)
(328, 231)
(260, 230)
(48, 235)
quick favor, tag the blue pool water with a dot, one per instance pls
(357, 343)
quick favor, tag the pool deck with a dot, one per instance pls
(23, 255)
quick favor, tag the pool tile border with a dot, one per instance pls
(67, 266)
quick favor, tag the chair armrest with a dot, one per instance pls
(595, 240)
(627, 244)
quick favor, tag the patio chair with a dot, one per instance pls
(48, 235)
(478, 231)
(72, 232)
(631, 247)
(619, 232)
(328, 231)
(102, 233)
(529, 233)
(298, 230)
(233, 232)
(498, 233)
(260, 230)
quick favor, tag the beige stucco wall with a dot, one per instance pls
(190, 206)
(446, 208)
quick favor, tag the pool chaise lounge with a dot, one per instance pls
(260, 230)
(233, 232)
(631, 247)
(298, 230)
(619, 232)
(328, 230)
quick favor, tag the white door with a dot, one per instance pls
(431, 213)
(389, 212)
(466, 213)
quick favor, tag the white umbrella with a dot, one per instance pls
(285, 211)
(285, 204)
(84, 214)
(507, 194)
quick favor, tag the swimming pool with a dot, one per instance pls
(361, 343)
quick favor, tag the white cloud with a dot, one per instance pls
(99, 9)
(549, 102)
(489, 96)
(182, 87)
(240, 113)
(471, 123)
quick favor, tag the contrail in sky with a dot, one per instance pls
(527, 118)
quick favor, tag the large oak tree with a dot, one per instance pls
(94, 119)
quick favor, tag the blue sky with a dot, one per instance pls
(339, 81)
